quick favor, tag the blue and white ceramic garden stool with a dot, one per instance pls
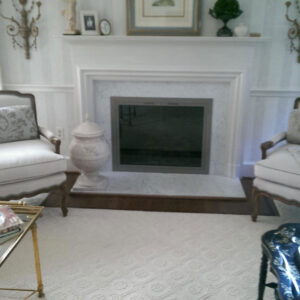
(281, 248)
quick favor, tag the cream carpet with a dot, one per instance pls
(112, 255)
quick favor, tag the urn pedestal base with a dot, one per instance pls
(225, 31)
(91, 181)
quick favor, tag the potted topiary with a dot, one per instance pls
(225, 10)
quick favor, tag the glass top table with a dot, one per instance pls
(29, 215)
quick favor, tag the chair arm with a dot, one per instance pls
(279, 137)
(51, 138)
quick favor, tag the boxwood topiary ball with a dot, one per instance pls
(229, 8)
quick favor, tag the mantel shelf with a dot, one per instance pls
(161, 39)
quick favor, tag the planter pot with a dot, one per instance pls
(224, 31)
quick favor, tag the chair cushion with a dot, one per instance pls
(275, 189)
(24, 188)
(280, 167)
(17, 123)
(25, 160)
(293, 133)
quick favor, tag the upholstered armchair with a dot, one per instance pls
(30, 162)
(277, 175)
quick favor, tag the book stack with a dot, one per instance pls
(10, 224)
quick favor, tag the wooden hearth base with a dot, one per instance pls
(165, 204)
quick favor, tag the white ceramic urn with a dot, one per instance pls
(89, 152)
(241, 30)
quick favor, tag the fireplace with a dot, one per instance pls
(161, 134)
(172, 67)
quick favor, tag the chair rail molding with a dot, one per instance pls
(48, 88)
(273, 92)
(39, 88)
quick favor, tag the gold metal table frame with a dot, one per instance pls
(32, 213)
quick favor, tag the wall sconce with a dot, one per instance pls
(294, 31)
(24, 32)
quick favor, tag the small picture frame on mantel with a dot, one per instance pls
(89, 23)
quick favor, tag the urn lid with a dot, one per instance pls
(88, 129)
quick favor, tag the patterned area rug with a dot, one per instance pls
(112, 255)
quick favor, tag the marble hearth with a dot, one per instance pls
(170, 185)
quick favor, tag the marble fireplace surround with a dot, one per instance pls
(234, 81)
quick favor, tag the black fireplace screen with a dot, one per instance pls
(161, 135)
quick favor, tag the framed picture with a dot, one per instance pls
(105, 27)
(89, 23)
(163, 17)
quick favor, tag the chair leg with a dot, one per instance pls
(262, 276)
(255, 199)
(64, 209)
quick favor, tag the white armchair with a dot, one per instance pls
(277, 175)
(30, 162)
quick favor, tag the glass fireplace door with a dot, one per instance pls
(161, 135)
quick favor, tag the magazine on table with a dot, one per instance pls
(10, 223)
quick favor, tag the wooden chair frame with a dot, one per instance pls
(51, 139)
(256, 193)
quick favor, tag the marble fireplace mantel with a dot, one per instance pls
(170, 59)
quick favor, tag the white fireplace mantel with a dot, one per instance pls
(189, 53)
(79, 39)
(171, 59)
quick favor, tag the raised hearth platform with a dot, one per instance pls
(163, 203)
(169, 185)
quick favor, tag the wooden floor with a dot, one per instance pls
(164, 203)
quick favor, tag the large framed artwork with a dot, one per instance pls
(163, 17)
